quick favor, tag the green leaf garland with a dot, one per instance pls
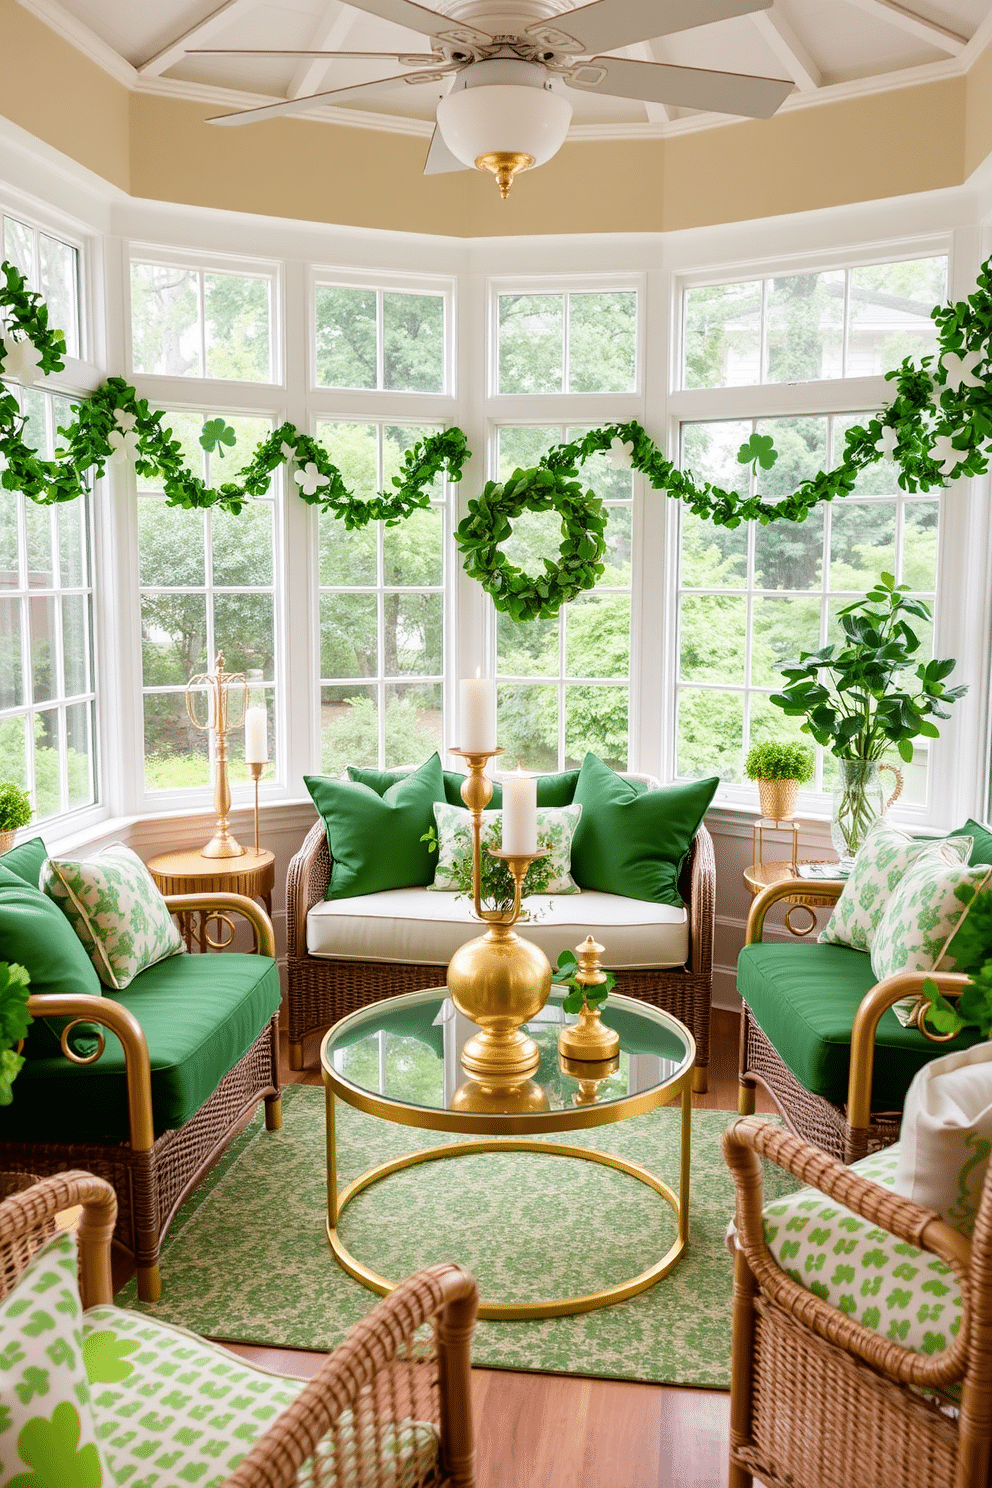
(937, 427)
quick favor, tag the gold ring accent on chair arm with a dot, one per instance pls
(238, 903)
(828, 888)
(748, 1137)
(870, 1010)
(137, 1065)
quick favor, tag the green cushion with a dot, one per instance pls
(375, 841)
(25, 860)
(633, 841)
(199, 1014)
(552, 790)
(804, 998)
(980, 853)
(36, 934)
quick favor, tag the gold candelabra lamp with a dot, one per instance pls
(219, 689)
(499, 981)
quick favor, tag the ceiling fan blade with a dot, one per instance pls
(685, 87)
(336, 95)
(608, 24)
(419, 18)
(439, 158)
(414, 59)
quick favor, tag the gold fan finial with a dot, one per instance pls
(504, 165)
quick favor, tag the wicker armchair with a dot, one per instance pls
(816, 1398)
(847, 1130)
(379, 1374)
(320, 991)
(152, 1173)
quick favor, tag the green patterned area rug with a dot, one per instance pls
(247, 1259)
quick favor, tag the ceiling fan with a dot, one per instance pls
(502, 113)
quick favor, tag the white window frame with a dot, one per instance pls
(378, 282)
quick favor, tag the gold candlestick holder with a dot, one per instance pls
(256, 767)
(498, 980)
(218, 687)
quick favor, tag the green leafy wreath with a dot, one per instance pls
(937, 427)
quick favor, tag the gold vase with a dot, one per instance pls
(778, 799)
(514, 1097)
(589, 1039)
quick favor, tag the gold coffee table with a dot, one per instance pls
(563, 1097)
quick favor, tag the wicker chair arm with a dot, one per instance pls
(830, 888)
(137, 1066)
(866, 1019)
(306, 884)
(747, 1139)
(446, 1293)
(28, 1215)
(227, 903)
(702, 903)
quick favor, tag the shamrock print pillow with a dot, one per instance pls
(47, 1432)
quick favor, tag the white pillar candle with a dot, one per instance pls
(256, 737)
(520, 814)
(477, 731)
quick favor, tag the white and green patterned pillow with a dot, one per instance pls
(945, 1140)
(48, 1436)
(172, 1409)
(113, 905)
(928, 906)
(555, 828)
(908, 1295)
(882, 860)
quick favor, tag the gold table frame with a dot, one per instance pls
(503, 1130)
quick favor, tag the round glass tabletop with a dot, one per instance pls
(400, 1058)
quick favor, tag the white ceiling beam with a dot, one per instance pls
(196, 35)
(915, 25)
(788, 48)
(330, 35)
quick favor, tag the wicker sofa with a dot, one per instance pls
(326, 979)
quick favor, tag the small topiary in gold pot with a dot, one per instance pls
(779, 769)
(15, 811)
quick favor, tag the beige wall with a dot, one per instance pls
(884, 145)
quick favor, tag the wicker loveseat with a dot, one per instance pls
(669, 960)
(145, 1087)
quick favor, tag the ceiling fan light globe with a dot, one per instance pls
(504, 119)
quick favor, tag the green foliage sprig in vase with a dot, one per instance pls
(850, 696)
(779, 769)
(14, 1022)
(972, 952)
(15, 811)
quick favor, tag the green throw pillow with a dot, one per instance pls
(49, 1433)
(980, 834)
(374, 841)
(631, 840)
(26, 860)
(552, 790)
(36, 934)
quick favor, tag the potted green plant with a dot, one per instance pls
(779, 769)
(849, 695)
(15, 811)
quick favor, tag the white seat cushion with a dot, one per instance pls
(419, 927)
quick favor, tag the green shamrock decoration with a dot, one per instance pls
(215, 434)
(759, 450)
(104, 1356)
(52, 1450)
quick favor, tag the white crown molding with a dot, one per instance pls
(82, 38)
(229, 98)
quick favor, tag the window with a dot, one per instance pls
(47, 691)
(207, 585)
(579, 342)
(386, 339)
(856, 322)
(52, 268)
(193, 322)
(382, 612)
(564, 684)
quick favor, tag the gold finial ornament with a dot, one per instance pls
(589, 1039)
(505, 165)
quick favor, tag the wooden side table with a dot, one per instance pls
(189, 872)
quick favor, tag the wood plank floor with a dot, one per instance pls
(555, 1431)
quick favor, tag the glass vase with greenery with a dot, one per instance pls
(849, 695)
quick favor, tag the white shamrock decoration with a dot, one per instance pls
(619, 453)
(288, 451)
(961, 370)
(124, 443)
(945, 454)
(21, 360)
(309, 479)
(886, 446)
(125, 420)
